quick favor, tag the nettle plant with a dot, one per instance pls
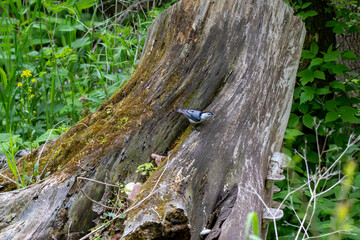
(321, 98)
(322, 189)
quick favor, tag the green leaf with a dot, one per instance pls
(65, 28)
(323, 91)
(305, 5)
(116, 77)
(339, 69)
(314, 48)
(38, 41)
(306, 76)
(3, 78)
(319, 74)
(46, 136)
(84, 4)
(331, 105)
(338, 26)
(307, 95)
(81, 27)
(349, 55)
(297, 93)
(306, 54)
(347, 114)
(303, 108)
(338, 29)
(331, 116)
(298, 169)
(329, 66)
(337, 85)
(291, 134)
(293, 120)
(350, 118)
(331, 23)
(308, 121)
(357, 181)
(5, 137)
(312, 157)
(316, 61)
(304, 15)
(82, 42)
(332, 56)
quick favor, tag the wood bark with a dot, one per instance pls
(237, 59)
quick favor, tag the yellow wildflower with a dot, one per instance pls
(30, 90)
(33, 80)
(34, 112)
(26, 73)
(19, 84)
(32, 95)
(21, 100)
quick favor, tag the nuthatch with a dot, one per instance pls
(195, 116)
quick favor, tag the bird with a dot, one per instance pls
(195, 116)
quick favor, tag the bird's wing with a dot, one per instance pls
(191, 114)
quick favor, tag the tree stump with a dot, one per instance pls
(237, 59)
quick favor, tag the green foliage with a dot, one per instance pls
(324, 114)
(9, 147)
(146, 168)
(325, 98)
(76, 55)
(10, 144)
(301, 7)
(347, 17)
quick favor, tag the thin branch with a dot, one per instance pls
(327, 234)
(152, 192)
(129, 209)
(104, 183)
(96, 202)
(7, 178)
(316, 127)
(342, 154)
(297, 216)
(337, 183)
(267, 209)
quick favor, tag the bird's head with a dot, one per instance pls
(206, 115)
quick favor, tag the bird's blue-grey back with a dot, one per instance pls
(192, 115)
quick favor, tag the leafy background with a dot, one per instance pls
(321, 192)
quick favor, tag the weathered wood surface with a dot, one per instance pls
(237, 59)
(247, 51)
